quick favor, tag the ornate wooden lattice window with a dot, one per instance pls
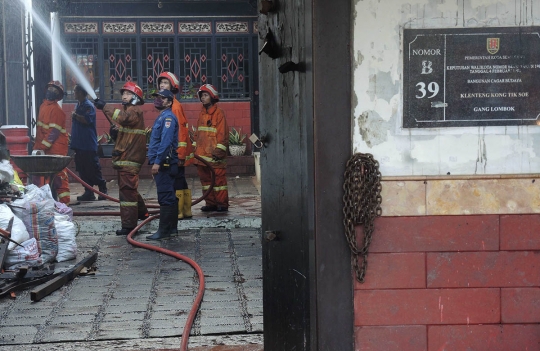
(195, 65)
(198, 52)
(119, 65)
(158, 53)
(233, 67)
(84, 53)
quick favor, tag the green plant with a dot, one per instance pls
(235, 137)
(189, 91)
(148, 94)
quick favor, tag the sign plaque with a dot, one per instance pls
(471, 77)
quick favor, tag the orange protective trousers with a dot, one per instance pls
(219, 196)
(131, 202)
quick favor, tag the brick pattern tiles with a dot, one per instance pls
(140, 294)
(451, 283)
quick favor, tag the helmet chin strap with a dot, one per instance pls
(135, 100)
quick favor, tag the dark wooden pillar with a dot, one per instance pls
(305, 121)
(2, 63)
(42, 54)
(14, 71)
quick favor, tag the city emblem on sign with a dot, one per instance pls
(493, 45)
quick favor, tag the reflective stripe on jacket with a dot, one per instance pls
(212, 137)
(130, 146)
(185, 148)
(51, 132)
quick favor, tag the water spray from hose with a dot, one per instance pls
(57, 45)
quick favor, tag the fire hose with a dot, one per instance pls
(193, 264)
(104, 213)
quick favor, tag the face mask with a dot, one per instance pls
(134, 101)
(158, 103)
(51, 95)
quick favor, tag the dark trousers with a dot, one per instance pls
(219, 196)
(131, 202)
(87, 164)
(180, 182)
(165, 185)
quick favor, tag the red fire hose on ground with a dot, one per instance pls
(196, 267)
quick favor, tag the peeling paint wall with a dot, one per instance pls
(378, 92)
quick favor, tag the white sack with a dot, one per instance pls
(28, 254)
(6, 172)
(67, 245)
(18, 230)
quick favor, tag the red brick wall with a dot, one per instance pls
(238, 115)
(451, 283)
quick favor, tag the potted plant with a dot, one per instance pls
(237, 147)
(105, 145)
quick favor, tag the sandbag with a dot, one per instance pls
(27, 255)
(67, 245)
(6, 172)
(18, 230)
(36, 209)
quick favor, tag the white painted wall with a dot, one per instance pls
(377, 89)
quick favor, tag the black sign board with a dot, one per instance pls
(471, 77)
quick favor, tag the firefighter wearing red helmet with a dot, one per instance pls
(52, 137)
(211, 143)
(168, 81)
(129, 153)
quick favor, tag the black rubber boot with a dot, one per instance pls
(87, 196)
(124, 231)
(168, 218)
(103, 189)
(208, 208)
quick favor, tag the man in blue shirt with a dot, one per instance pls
(164, 160)
(84, 142)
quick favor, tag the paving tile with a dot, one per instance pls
(132, 284)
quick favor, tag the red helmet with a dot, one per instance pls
(175, 84)
(210, 89)
(56, 84)
(135, 89)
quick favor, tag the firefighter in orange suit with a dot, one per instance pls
(51, 135)
(129, 153)
(168, 81)
(211, 143)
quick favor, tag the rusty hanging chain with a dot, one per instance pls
(361, 204)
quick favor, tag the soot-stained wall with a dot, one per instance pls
(378, 92)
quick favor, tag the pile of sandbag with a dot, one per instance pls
(42, 226)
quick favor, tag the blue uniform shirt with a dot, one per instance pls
(84, 136)
(164, 138)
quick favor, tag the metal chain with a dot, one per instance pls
(361, 204)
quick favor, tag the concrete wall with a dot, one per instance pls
(377, 99)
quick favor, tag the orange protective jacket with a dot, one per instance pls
(129, 152)
(184, 150)
(212, 137)
(51, 135)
